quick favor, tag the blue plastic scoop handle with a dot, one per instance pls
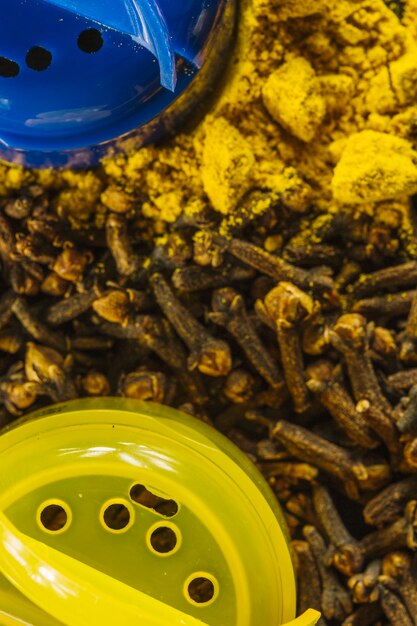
(141, 19)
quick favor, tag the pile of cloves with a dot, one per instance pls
(294, 334)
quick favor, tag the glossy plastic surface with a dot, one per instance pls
(88, 454)
(113, 67)
(142, 19)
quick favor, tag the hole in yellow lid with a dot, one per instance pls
(54, 516)
(117, 516)
(201, 589)
(164, 539)
(141, 495)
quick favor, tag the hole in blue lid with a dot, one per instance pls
(8, 68)
(90, 40)
(38, 59)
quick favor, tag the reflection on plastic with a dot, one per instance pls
(75, 593)
(143, 20)
(79, 595)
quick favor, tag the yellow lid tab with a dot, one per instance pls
(309, 618)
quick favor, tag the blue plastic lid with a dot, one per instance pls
(77, 75)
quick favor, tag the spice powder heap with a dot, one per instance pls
(318, 108)
(258, 271)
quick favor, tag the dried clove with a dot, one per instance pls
(387, 307)
(127, 262)
(209, 355)
(114, 306)
(229, 311)
(19, 208)
(407, 422)
(351, 471)
(403, 380)
(156, 335)
(389, 504)
(309, 588)
(336, 399)
(196, 278)
(366, 615)
(350, 338)
(239, 386)
(395, 276)
(54, 285)
(399, 534)
(408, 352)
(364, 586)
(95, 384)
(146, 385)
(37, 329)
(287, 306)
(11, 340)
(399, 576)
(393, 607)
(347, 556)
(278, 269)
(335, 599)
(7, 300)
(69, 308)
(47, 367)
(384, 427)
(70, 264)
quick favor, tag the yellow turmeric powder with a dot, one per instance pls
(227, 173)
(318, 107)
(375, 166)
(295, 82)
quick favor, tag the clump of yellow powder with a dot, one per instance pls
(374, 167)
(318, 108)
(293, 96)
(226, 174)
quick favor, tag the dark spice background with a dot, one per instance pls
(306, 360)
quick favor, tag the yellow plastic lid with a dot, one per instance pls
(117, 511)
